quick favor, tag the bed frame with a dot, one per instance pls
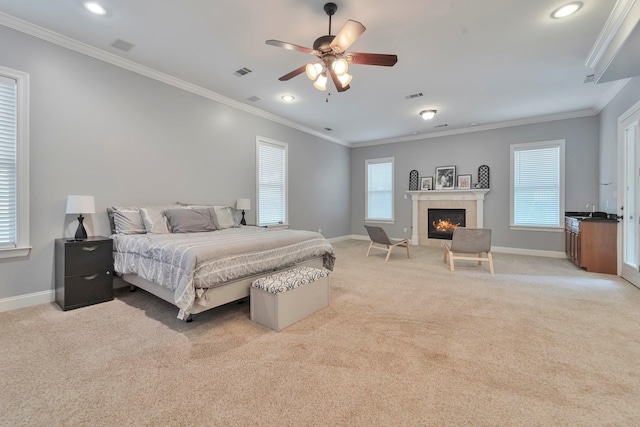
(214, 297)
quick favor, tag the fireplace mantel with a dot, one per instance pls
(475, 195)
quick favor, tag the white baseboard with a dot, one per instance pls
(496, 249)
(530, 252)
(342, 238)
(23, 301)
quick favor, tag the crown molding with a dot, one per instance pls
(611, 27)
(492, 126)
(102, 55)
(611, 93)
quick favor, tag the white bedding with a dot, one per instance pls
(189, 263)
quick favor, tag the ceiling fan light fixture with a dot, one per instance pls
(340, 66)
(345, 79)
(313, 70)
(566, 10)
(428, 114)
(321, 82)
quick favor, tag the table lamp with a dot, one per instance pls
(80, 205)
(244, 204)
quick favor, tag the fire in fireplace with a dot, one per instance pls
(442, 222)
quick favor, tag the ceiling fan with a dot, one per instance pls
(333, 60)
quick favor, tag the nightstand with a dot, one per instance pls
(83, 271)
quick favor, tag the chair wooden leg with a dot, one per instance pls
(408, 252)
(444, 253)
(370, 245)
(479, 256)
(388, 253)
(451, 262)
(490, 262)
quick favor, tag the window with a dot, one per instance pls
(537, 185)
(271, 181)
(379, 196)
(14, 163)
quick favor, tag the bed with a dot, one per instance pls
(197, 271)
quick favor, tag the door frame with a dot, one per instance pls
(620, 190)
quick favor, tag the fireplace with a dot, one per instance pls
(442, 222)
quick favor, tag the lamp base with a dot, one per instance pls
(242, 221)
(81, 233)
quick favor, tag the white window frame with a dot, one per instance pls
(259, 141)
(560, 143)
(366, 190)
(22, 246)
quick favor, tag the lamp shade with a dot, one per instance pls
(81, 205)
(244, 204)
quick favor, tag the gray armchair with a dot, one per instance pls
(379, 237)
(468, 241)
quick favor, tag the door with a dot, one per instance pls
(629, 138)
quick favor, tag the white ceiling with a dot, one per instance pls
(476, 61)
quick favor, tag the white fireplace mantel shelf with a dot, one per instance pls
(475, 195)
(472, 194)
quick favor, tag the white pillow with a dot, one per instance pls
(225, 217)
(154, 219)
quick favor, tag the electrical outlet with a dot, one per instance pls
(405, 230)
(405, 197)
(320, 230)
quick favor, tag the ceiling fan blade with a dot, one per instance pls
(294, 73)
(372, 59)
(347, 35)
(289, 46)
(336, 82)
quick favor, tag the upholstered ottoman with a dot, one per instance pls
(283, 298)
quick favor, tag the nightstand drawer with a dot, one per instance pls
(88, 289)
(87, 257)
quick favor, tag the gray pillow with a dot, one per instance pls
(128, 221)
(191, 220)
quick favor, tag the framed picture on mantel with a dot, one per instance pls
(426, 183)
(445, 177)
(464, 182)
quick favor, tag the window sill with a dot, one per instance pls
(380, 221)
(14, 252)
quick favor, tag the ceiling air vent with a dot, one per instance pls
(254, 98)
(242, 72)
(441, 126)
(589, 78)
(415, 95)
(122, 45)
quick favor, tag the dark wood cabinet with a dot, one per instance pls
(592, 244)
(83, 271)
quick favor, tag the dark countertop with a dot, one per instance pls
(592, 216)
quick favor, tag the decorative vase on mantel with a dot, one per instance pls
(483, 176)
(413, 180)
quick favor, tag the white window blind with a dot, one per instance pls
(379, 196)
(537, 187)
(8, 162)
(272, 182)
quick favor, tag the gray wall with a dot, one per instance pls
(100, 130)
(467, 152)
(627, 97)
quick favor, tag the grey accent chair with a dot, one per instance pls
(379, 237)
(467, 241)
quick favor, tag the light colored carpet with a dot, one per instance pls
(402, 343)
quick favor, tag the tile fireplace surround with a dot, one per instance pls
(470, 200)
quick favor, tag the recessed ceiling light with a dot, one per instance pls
(428, 114)
(288, 98)
(94, 7)
(566, 10)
